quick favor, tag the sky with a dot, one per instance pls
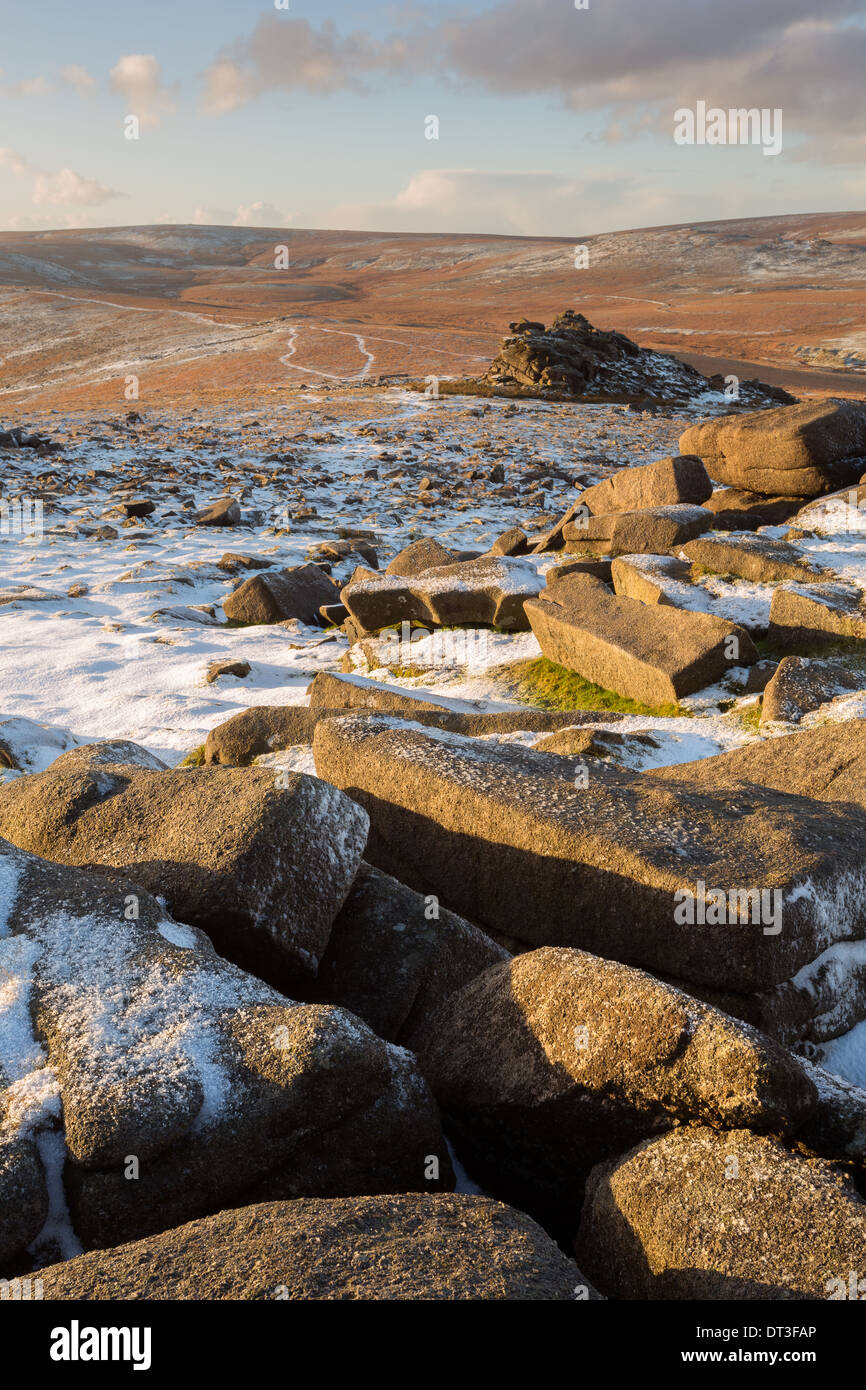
(549, 119)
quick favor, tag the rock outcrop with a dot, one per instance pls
(537, 847)
(491, 590)
(652, 654)
(758, 1222)
(652, 531)
(666, 483)
(277, 595)
(806, 615)
(557, 1060)
(796, 451)
(146, 1081)
(575, 360)
(399, 1247)
(262, 868)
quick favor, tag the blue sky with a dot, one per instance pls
(552, 120)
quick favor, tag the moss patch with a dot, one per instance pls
(544, 684)
(750, 717)
(195, 758)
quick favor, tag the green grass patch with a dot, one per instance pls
(408, 673)
(545, 684)
(750, 717)
(195, 758)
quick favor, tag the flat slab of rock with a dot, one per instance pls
(270, 728)
(800, 685)
(557, 1060)
(653, 579)
(124, 1034)
(595, 743)
(651, 654)
(664, 483)
(759, 1222)
(827, 763)
(333, 690)
(262, 868)
(490, 590)
(525, 844)
(184, 614)
(277, 595)
(141, 506)
(794, 451)
(736, 509)
(806, 614)
(751, 557)
(331, 693)
(653, 531)
(407, 1247)
(675, 583)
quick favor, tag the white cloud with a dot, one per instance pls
(66, 188)
(259, 214)
(63, 188)
(79, 78)
(632, 65)
(138, 78)
(31, 87)
(636, 65)
(515, 202)
(15, 163)
(284, 54)
(226, 88)
(70, 221)
(212, 217)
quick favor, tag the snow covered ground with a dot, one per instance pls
(112, 637)
(102, 665)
